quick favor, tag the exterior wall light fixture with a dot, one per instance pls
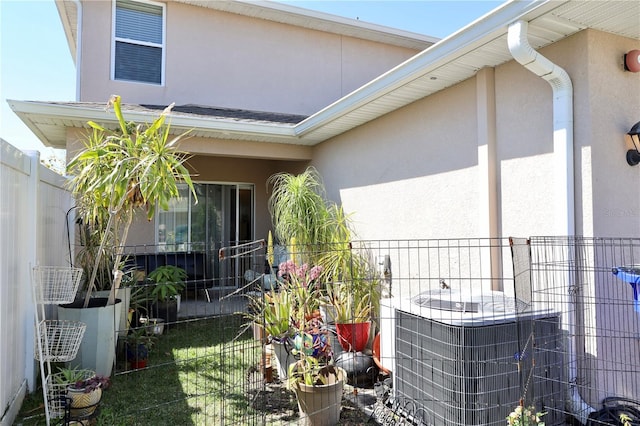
(632, 61)
(633, 154)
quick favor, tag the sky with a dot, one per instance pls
(36, 64)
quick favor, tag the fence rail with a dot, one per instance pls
(33, 231)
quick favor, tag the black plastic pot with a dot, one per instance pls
(167, 310)
(360, 368)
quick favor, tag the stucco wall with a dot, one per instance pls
(221, 59)
(612, 99)
(226, 170)
(416, 174)
(409, 174)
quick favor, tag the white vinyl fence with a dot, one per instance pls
(33, 230)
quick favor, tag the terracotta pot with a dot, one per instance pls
(312, 315)
(353, 337)
(377, 354)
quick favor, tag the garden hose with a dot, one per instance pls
(611, 410)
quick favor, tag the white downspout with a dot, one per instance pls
(560, 82)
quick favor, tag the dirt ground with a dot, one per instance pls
(279, 404)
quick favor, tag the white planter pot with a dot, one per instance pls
(124, 294)
(283, 359)
(98, 348)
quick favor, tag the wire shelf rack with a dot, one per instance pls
(60, 340)
(58, 395)
(55, 284)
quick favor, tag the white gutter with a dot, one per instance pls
(82, 114)
(564, 195)
(456, 45)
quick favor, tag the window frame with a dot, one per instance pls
(237, 186)
(162, 46)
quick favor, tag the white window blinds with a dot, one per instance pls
(138, 41)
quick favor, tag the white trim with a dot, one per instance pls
(84, 114)
(162, 46)
(449, 49)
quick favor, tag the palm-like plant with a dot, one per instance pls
(319, 232)
(300, 213)
(120, 171)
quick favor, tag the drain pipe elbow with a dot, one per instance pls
(560, 82)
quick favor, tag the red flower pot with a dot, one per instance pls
(138, 364)
(353, 337)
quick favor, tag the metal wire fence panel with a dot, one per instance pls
(462, 332)
(593, 283)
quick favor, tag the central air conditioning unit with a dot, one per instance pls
(466, 359)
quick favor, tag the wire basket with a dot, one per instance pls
(57, 393)
(56, 284)
(59, 340)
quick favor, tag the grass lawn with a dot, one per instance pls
(197, 375)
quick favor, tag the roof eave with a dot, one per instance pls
(77, 116)
(278, 12)
(447, 50)
(68, 12)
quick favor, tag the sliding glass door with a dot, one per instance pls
(223, 216)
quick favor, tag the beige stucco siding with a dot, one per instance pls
(417, 172)
(524, 132)
(614, 106)
(213, 169)
(221, 59)
(225, 170)
(410, 174)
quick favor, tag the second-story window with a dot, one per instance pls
(138, 53)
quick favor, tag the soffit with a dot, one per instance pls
(282, 13)
(68, 11)
(459, 56)
(305, 18)
(50, 120)
(448, 62)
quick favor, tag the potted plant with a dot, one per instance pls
(525, 416)
(137, 345)
(317, 383)
(352, 315)
(82, 389)
(167, 283)
(272, 312)
(119, 172)
(303, 283)
(300, 213)
(318, 232)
